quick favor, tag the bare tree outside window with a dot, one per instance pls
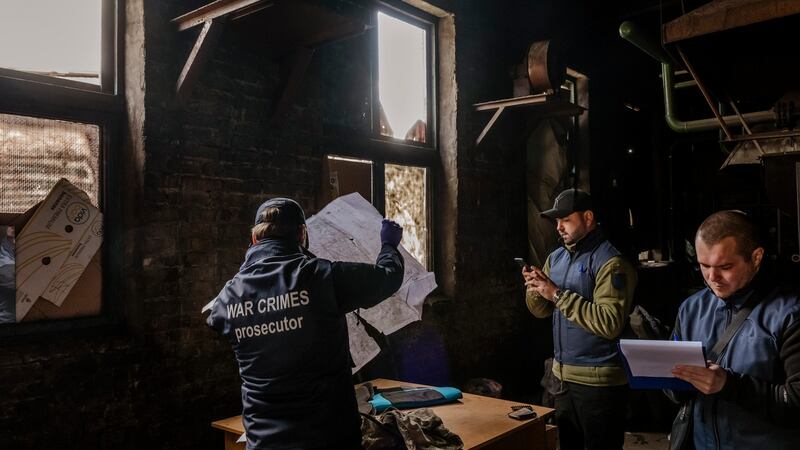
(405, 204)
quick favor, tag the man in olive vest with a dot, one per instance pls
(587, 287)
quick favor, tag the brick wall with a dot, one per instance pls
(192, 180)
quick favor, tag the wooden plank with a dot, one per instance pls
(489, 125)
(545, 104)
(216, 9)
(197, 59)
(231, 424)
(551, 436)
(536, 99)
(231, 444)
(723, 15)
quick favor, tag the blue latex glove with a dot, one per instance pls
(391, 232)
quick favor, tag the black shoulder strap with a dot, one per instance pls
(731, 330)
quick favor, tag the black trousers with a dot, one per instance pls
(591, 417)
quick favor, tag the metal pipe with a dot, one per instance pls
(705, 93)
(629, 32)
(744, 124)
(692, 126)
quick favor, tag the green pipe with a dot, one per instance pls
(629, 32)
(692, 126)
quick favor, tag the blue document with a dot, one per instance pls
(649, 363)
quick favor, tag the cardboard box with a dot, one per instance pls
(54, 248)
(342, 176)
(85, 299)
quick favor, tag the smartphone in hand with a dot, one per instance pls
(521, 263)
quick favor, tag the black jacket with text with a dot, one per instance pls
(284, 314)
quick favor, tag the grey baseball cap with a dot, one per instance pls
(568, 202)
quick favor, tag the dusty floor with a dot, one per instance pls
(646, 441)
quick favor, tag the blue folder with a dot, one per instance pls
(442, 395)
(670, 383)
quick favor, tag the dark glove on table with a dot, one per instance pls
(391, 232)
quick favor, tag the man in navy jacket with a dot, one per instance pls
(750, 396)
(284, 314)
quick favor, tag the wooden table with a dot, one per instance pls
(482, 423)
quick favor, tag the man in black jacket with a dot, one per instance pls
(284, 314)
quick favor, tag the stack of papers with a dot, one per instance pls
(650, 362)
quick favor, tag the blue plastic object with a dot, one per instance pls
(448, 395)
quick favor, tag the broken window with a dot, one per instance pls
(59, 42)
(35, 153)
(402, 79)
(392, 167)
(406, 203)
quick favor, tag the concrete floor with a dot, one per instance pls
(646, 441)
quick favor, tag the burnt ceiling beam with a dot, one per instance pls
(721, 15)
(220, 8)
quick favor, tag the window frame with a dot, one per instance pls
(427, 22)
(382, 150)
(109, 43)
(51, 98)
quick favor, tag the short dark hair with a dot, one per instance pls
(273, 224)
(731, 223)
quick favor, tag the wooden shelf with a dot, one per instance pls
(547, 105)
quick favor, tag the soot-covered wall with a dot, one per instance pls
(191, 181)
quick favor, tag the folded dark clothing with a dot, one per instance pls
(419, 429)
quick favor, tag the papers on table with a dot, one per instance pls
(650, 362)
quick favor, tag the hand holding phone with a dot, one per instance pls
(521, 263)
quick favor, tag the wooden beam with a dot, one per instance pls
(489, 125)
(219, 8)
(298, 63)
(197, 59)
(720, 15)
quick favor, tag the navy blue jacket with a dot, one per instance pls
(576, 272)
(284, 314)
(758, 406)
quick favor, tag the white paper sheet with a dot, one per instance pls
(362, 347)
(651, 358)
(348, 229)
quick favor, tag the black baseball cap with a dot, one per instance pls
(289, 209)
(568, 202)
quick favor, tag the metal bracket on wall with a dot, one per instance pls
(288, 32)
(545, 105)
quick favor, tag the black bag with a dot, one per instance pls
(681, 437)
